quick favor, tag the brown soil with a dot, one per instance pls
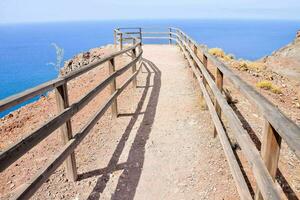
(160, 146)
(288, 175)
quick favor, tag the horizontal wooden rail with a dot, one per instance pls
(50, 85)
(156, 33)
(66, 111)
(28, 190)
(237, 174)
(131, 33)
(264, 167)
(126, 28)
(286, 128)
(10, 155)
(161, 38)
(260, 172)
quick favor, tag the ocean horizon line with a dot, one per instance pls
(154, 19)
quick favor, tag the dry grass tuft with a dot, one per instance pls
(267, 85)
(243, 65)
(218, 52)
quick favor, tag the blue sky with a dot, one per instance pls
(17, 11)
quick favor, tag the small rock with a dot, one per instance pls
(12, 186)
(295, 98)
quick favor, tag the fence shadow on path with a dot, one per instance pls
(132, 169)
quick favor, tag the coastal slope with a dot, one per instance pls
(286, 60)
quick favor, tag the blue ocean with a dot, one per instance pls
(26, 50)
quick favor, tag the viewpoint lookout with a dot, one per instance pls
(173, 134)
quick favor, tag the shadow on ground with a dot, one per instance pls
(132, 169)
(286, 187)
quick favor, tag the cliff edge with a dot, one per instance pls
(286, 60)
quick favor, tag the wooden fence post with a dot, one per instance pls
(179, 39)
(121, 40)
(184, 50)
(184, 47)
(115, 38)
(170, 35)
(113, 87)
(219, 83)
(194, 63)
(62, 101)
(270, 150)
(134, 81)
(141, 37)
(204, 61)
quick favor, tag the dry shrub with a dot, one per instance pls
(218, 52)
(267, 85)
(243, 65)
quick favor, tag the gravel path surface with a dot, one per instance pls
(168, 152)
(160, 146)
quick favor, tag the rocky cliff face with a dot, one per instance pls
(85, 58)
(286, 60)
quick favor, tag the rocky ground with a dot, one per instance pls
(286, 97)
(143, 154)
(286, 61)
(179, 158)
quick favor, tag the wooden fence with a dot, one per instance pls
(63, 119)
(264, 164)
(277, 126)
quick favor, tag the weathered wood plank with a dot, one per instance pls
(156, 33)
(120, 41)
(161, 38)
(33, 185)
(270, 151)
(260, 172)
(193, 62)
(115, 38)
(113, 87)
(285, 127)
(141, 35)
(50, 85)
(132, 33)
(14, 152)
(170, 31)
(219, 83)
(134, 82)
(237, 174)
(62, 102)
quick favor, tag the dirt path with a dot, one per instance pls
(169, 152)
(160, 146)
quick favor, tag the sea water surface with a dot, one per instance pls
(26, 51)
